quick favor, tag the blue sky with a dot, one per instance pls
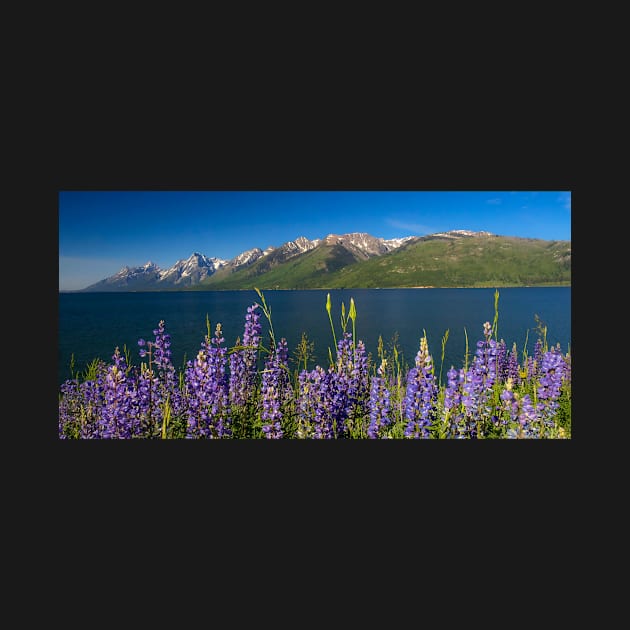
(100, 232)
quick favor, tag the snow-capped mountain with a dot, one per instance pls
(304, 244)
(191, 270)
(365, 245)
(127, 274)
(246, 257)
(460, 233)
(395, 243)
(185, 272)
(284, 251)
(293, 248)
(129, 279)
(197, 267)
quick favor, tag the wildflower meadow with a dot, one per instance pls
(259, 389)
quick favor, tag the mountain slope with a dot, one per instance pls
(304, 271)
(466, 261)
(454, 259)
(458, 258)
(150, 277)
(129, 279)
(303, 264)
(191, 270)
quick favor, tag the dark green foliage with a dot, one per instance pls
(563, 416)
(177, 428)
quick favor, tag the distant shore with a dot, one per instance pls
(192, 289)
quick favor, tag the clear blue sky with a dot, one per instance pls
(100, 232)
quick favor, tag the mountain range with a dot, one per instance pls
(354, 260)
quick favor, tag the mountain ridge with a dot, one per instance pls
(358, 259)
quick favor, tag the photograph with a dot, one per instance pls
(314, 314)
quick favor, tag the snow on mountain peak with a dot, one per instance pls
(246, 257)
(191, 270)
(303, 243)
(458, 233)
(395, 243)
(197, 266)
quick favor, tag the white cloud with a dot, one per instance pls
(417, 228)
(495, 202)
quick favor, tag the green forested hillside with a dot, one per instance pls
(483, 260)
(479, 261)
(310, 270)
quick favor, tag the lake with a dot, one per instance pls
(92, 324)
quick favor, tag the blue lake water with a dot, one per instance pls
(91, 325)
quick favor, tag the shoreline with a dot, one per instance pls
(507, 286)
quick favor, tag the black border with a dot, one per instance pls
(447, 153)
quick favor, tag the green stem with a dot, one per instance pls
(353, 316)
(444, 340)
(267, 312)
(332, 327)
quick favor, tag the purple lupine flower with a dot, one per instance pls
(115, 419)
(167, 385)
(379, 404)
(527, 418)
(69, 408)
(331, 414)
(349, 384)
(274, 386)
(501, 361)
(251, 334)
(512, 370)
(551, 377)
(92, 401)
(167, 377)
(478, 382)
(509, 405)
(243, 362)
(316, 404)
(306, 403)
(420, 399)
(80, 405)
(538, 351)
(532, 365)
(142, 352)
(155, 384)
(360, 381)
(162, 352)
(344, 386)
(238, 393)
(486, 357)
(206, 386)
(146, 400)
(453, 399)
(217, 363)
(471, 395)
(146, 403)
